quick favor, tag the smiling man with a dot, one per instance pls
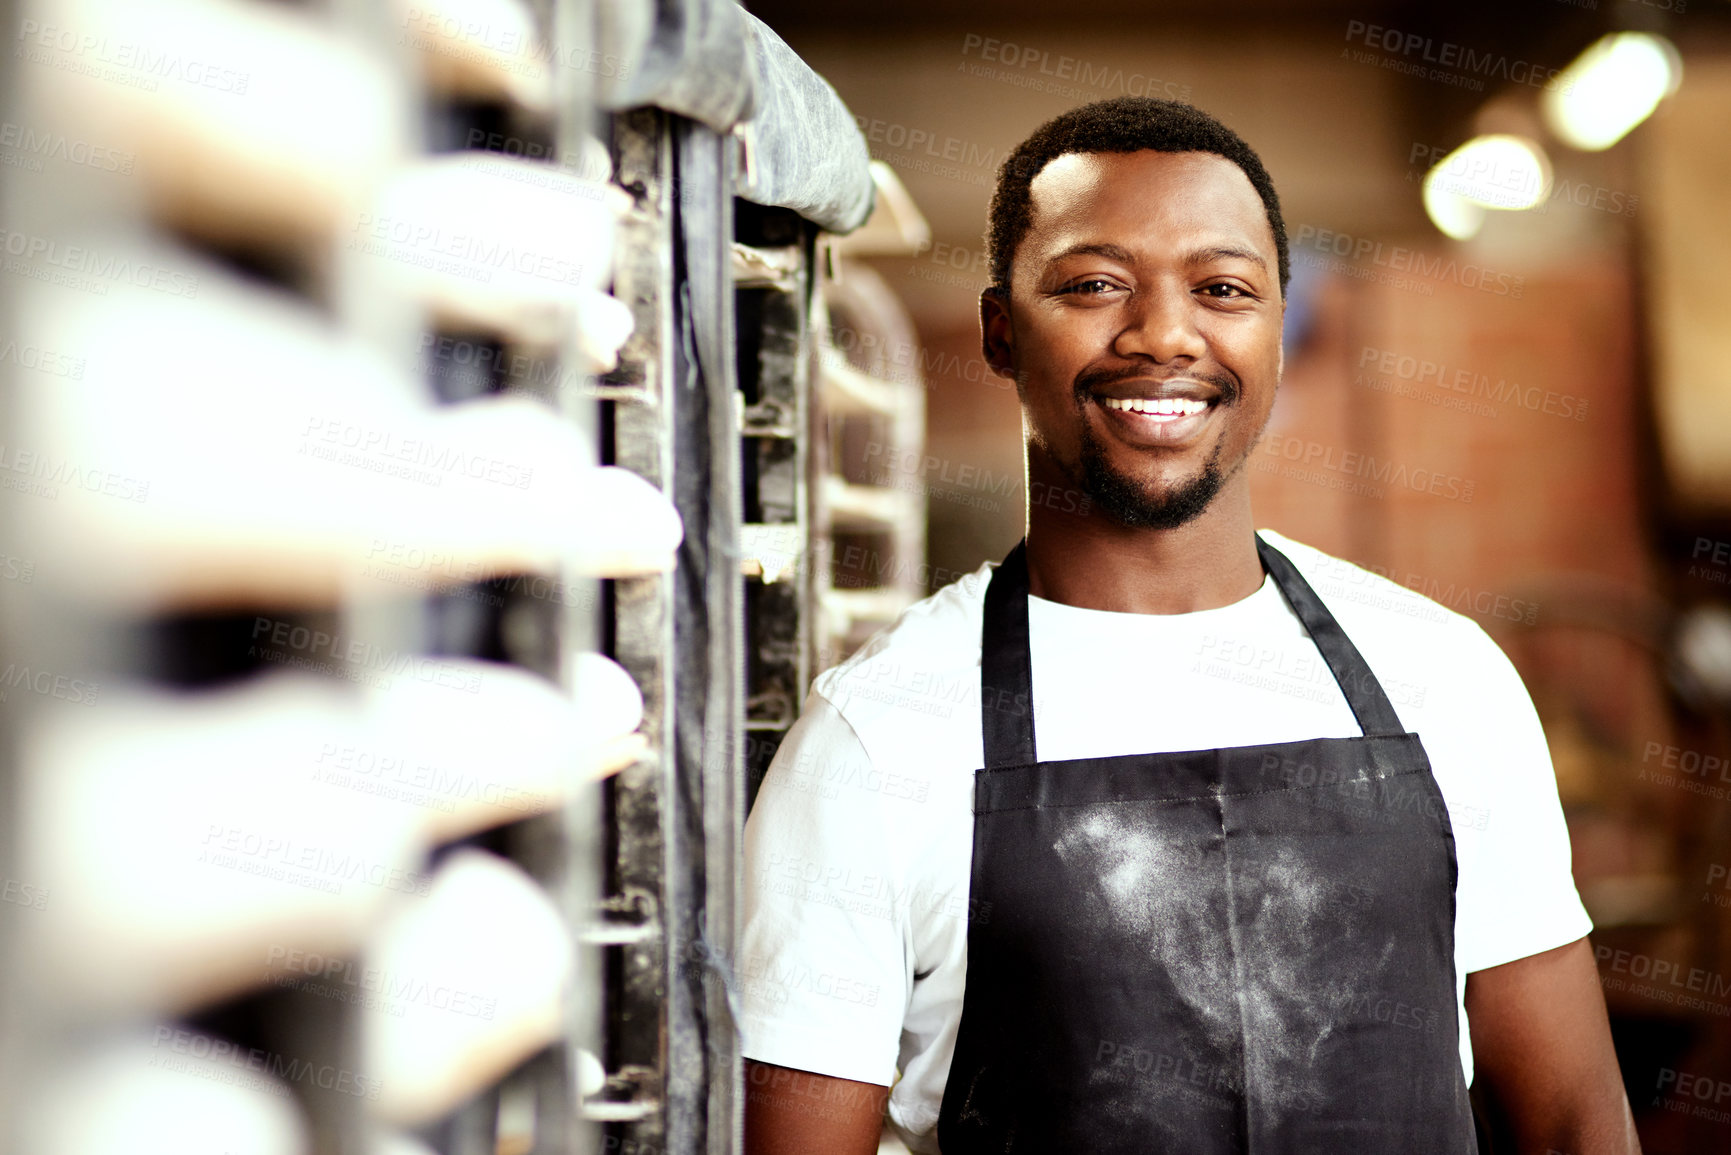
(1163, 835)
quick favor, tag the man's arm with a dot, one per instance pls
(790, 1112)
(1542, 1054)
(811, 855)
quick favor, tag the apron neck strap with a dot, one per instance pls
(1007, 667)
(1363, 692)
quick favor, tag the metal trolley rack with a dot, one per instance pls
(336, 194)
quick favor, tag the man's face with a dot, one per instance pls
(1142, 329)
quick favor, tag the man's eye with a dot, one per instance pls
(1090, 288)
(1224, 291)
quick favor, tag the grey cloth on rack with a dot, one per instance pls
(807, 152)
(712, 61)
(693, 57)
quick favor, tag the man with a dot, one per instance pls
(1163, 835)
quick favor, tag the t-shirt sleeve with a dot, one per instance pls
(1515, 895)
(823, 965)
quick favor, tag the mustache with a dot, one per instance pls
(1089, 380)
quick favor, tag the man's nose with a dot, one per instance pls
(1161, 324)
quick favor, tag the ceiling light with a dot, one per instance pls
(1454, 214)
(1495, 171)
(1611, 87)
(1499, 171)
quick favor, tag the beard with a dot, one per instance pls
(1138, 504)
(1143, 505)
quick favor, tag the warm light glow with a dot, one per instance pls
(1495, 172)
(1498, 171)
(1612, 87)
(1450, 212)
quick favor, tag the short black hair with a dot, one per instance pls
(1123, 124)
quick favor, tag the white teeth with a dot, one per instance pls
(1160, 406)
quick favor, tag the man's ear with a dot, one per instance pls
(997, 334)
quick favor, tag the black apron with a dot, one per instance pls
(1248, 949)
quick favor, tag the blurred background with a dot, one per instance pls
(441, 440)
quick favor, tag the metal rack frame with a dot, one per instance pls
(674, 818)
(716, 401)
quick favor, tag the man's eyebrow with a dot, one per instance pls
(1097, 249)
(1217, 252)
(1119, 253)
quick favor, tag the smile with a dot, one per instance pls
(1156, 406)
(1170, 422)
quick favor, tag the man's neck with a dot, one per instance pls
(1089, 561)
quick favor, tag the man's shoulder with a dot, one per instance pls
(1353, 591)
(921, 670)
(1397, 628)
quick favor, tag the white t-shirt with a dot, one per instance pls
(857, 851)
